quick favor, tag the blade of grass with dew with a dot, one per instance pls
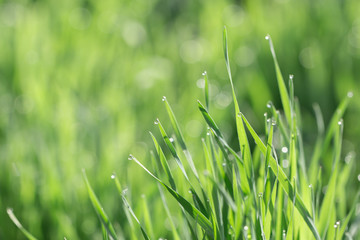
(328, 202)
(172, 149)
(163, 162)
(195, 213)
(344, 224)
(284, 181)
(229, 200)
(17, 223)
(206, 90)
(218, 136)
(120, 190)
(279, 122)
(180, 137)
(281, 84)
(243, 141)
(127, 205)
(99, 209)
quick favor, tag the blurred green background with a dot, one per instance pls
(81, 84)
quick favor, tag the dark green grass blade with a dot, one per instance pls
(99, 209)
(14, 219)
(180, 137)
(188, 207)
(163, 162)
(284, 182)
(172, 149)
(127, 205)
(281, 84)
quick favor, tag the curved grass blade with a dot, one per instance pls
(17, 223)
(281, 84)
(284, 182)
(195, 213)
(347, 219)
(99, 209)
(206, 90)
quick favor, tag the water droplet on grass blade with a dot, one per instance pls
(350, 94)
(291, 76)
(163, 99)
(358, 177)
(113, 176)
(204, 73)
(131, 157)
(267, 37)
(171, 139)
(246, 228)
(284, 149)
(310, 186)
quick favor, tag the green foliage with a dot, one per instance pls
(80, 85)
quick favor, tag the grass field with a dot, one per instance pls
(81, 87)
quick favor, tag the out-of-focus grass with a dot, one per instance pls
(80, 81)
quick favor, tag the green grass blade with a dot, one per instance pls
(172, 149)
(127, 205)
(17, 223)
(206, 90)
(284, 182)
(345, 223)
(163, 162)
(281, 84)
(195, 213)
(180, 137)
(243, 141)
(99, 209)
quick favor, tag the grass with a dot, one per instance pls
(266, 190)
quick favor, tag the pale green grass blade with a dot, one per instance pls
(104, 233)
(99, 209)
(17, 223)
(163, 162)
(224, 193)
(127, 205)
(290, 234)
(281, 84)
(209, 119)
(195, 213)
(147, 218)
(328, 203)
(284, 182)
(279, 122)
(168, 213)
(206, 90)
(334, 121)
(279, 215)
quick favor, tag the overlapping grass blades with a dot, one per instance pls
(236, 199)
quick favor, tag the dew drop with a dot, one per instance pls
(267, 37)
(273, 122)
(246, 228)
(190, 191)
(204, 73)
(156, 122)
(113, 176)
(208, 134)
(310, 186)
(265, 114)
(340, 122)
(284, 149)
(335, 226)
(358, 177)
(260, 195)
(350, 94)
(268, 105)
(163, 98)
(338, 223)
(131, 157)
(268, 120)
(223, 164)
(171, 139)
(291, 76)
(285, 163)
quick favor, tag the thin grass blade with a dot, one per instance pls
(17, 223)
